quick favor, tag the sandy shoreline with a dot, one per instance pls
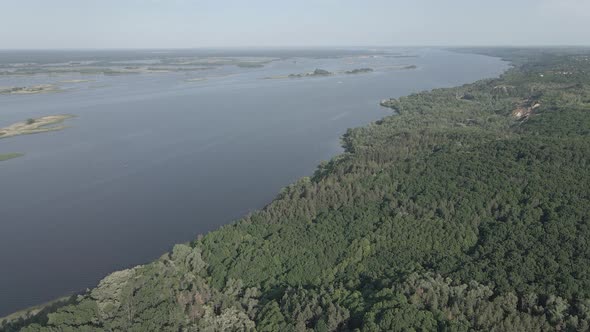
(35, 126)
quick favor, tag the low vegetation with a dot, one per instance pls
(7, 156)
(315, 73)
(359, 71)
(35, 126)
(27, 90)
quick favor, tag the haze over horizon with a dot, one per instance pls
(210, 24)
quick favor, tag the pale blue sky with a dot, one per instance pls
(233, 23)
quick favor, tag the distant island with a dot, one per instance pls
(359, 71)
(7, 156)
(369, 70)
(32, 126)
(323, 73)
(138, 66)
(251, 64)
(315, 73)
(35, 126)
(43, 88)
(400, 67)
(76, 81)
(196, 79)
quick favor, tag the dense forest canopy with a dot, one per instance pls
(469, 209)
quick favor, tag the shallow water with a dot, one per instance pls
(152, 159)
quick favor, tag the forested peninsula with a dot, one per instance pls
(467, 210)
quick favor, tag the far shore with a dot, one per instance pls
(76, 81)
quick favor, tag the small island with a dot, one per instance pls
(400, 67)
(315, 73)
(76, 81)
(196, 79)
(7, 156)
(250, 64)
(35, 126)
(359, 71)
(22, 90)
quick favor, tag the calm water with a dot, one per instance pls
(152, 160)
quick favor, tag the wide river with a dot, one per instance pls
(155, 159)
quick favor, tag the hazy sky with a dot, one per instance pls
(231, 23)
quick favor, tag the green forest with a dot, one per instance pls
(467, 209)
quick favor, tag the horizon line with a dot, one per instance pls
(278, 47)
